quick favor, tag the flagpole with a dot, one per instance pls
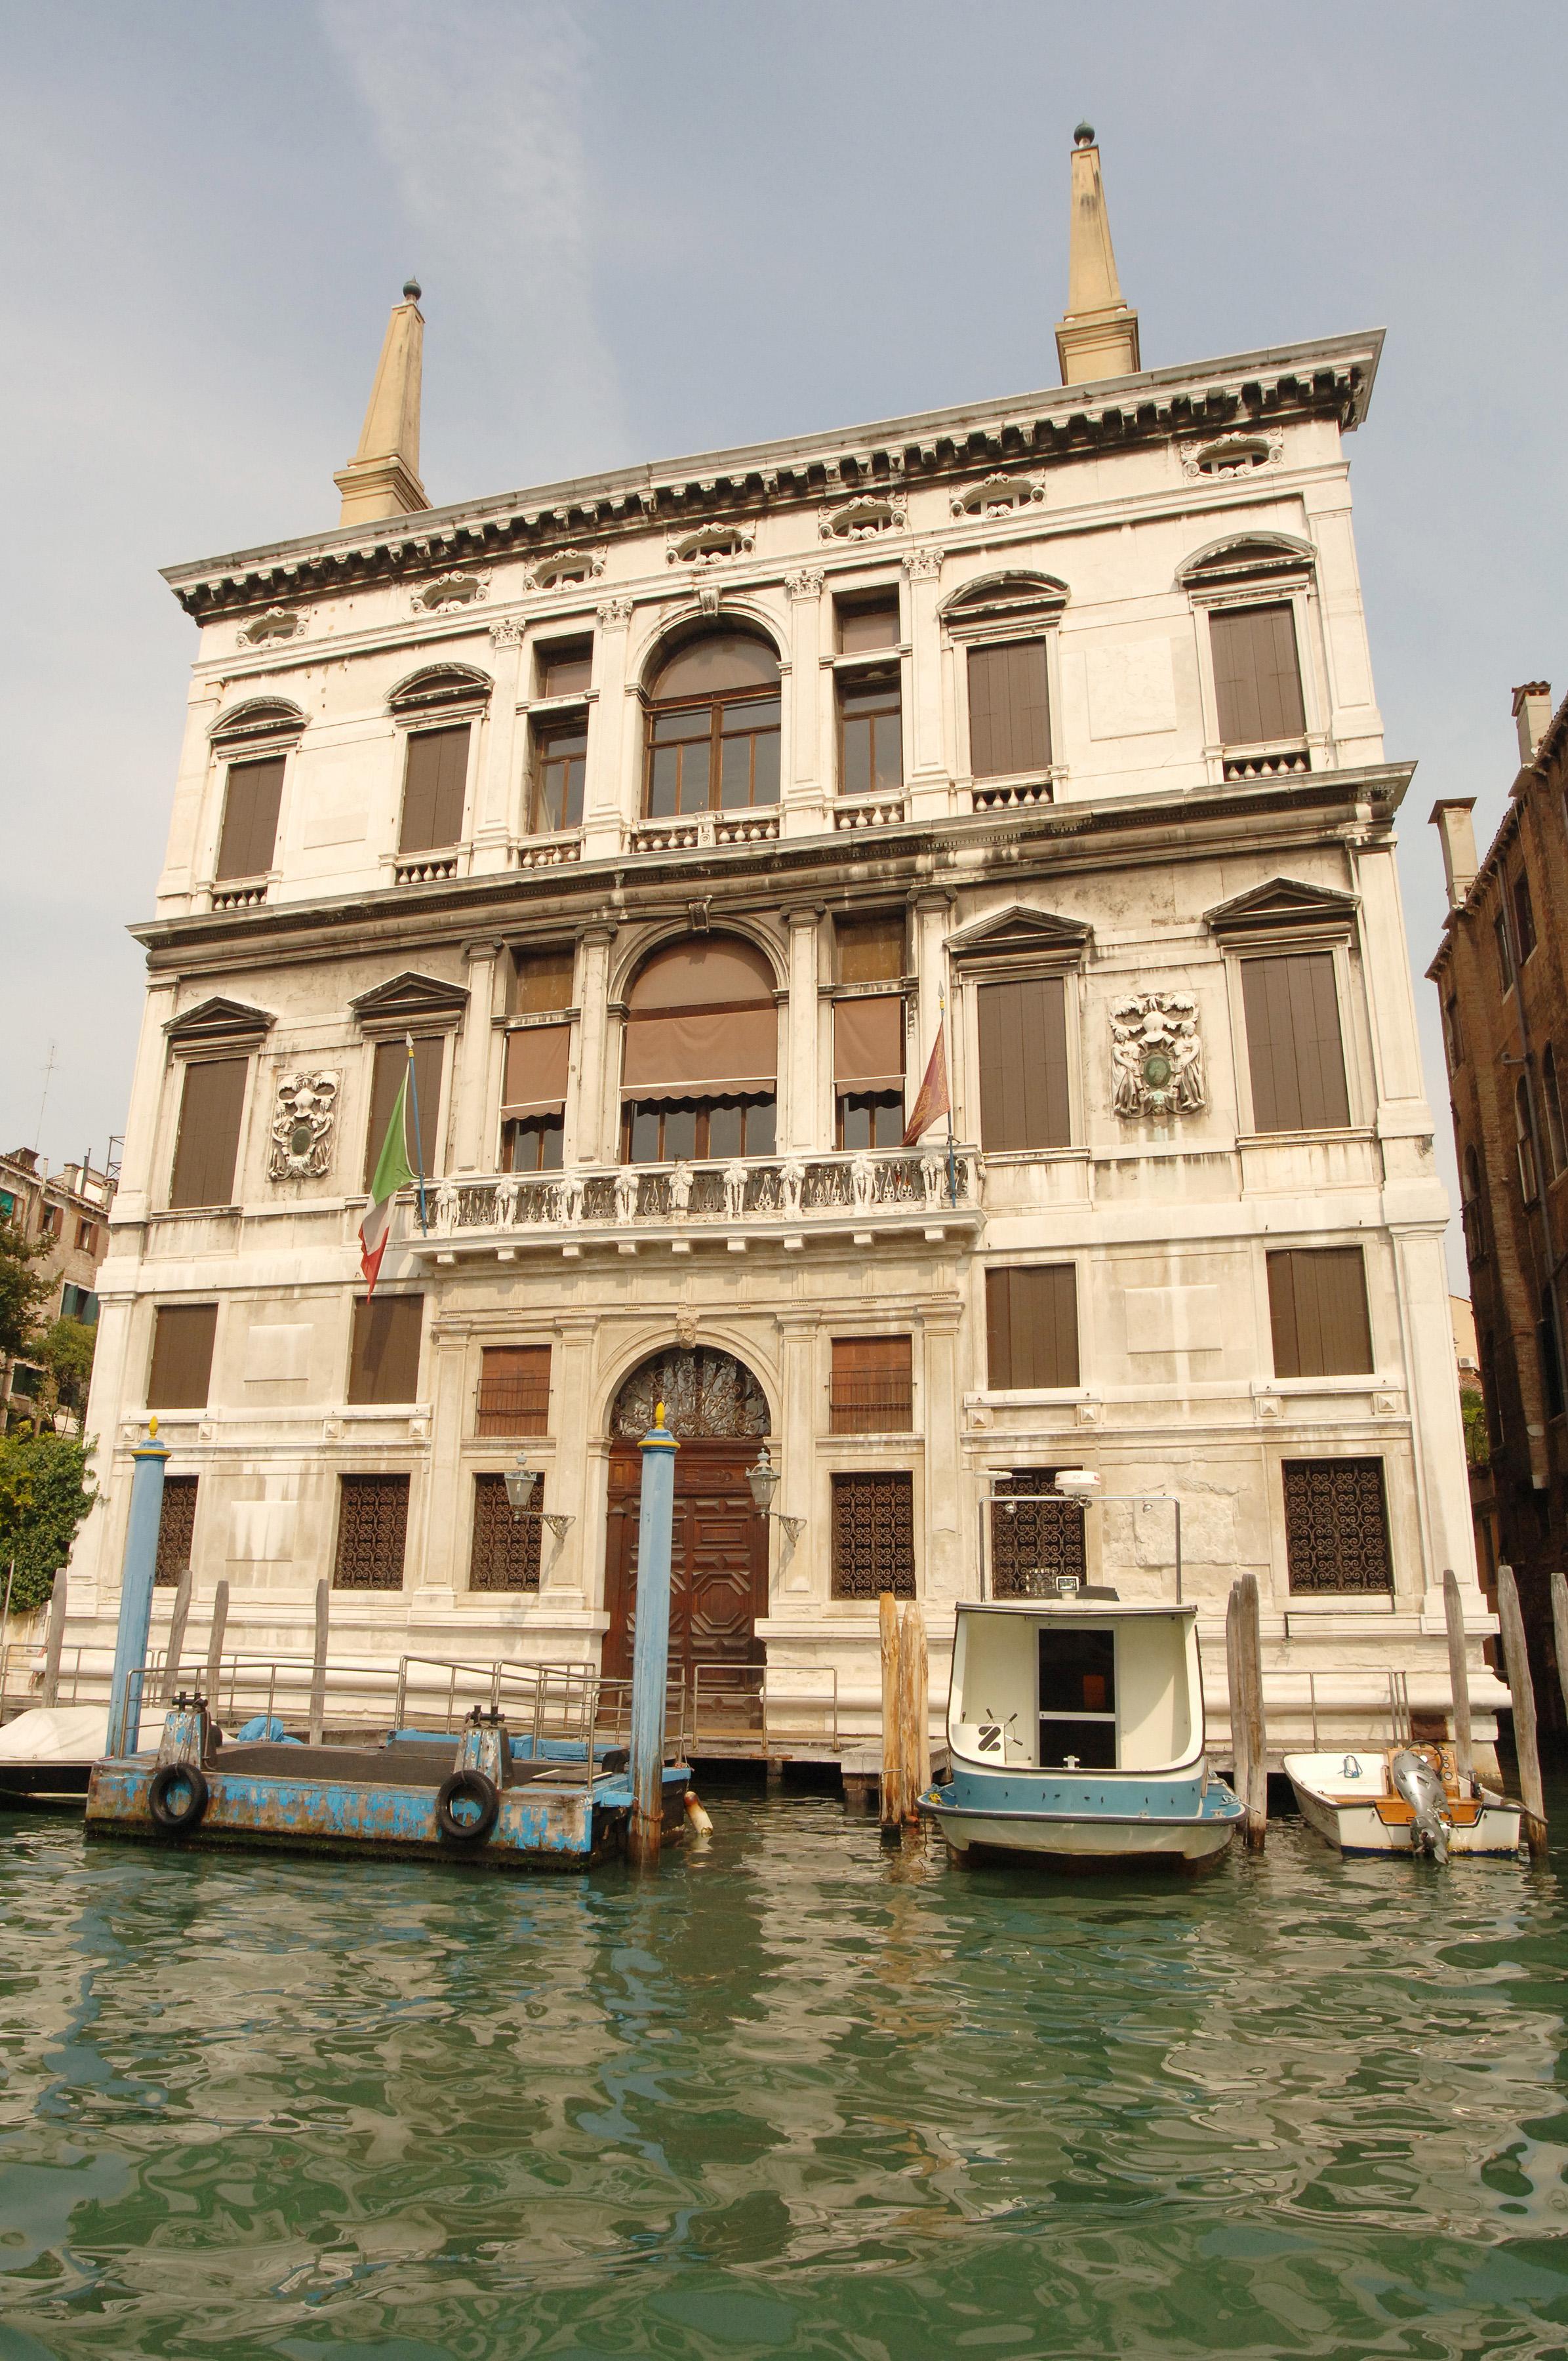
(419, 1146)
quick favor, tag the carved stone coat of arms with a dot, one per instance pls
(303, 1120)
(1156, 1057)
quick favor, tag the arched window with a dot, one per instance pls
(713, 726)
(700, 1073)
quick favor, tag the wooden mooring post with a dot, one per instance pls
(215, 1643)
(318, 1662)
(1515, 1661)
(55, 1640)
(179, 1617)
(1249, 1736)
(892, 1718)
(915, 1709)
(1459, 1680)
(1560, 1630)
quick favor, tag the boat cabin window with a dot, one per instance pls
(1078, 1699)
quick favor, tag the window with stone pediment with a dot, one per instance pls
(714, 715)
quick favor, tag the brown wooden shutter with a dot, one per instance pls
(872, 1385)
(1294, 1049)
(1023, 1064)
(385, 1078)
(536, 1065)
(870, 951)
(542, 982)
(383, 1364)
(1257, 680)
(1009, 711)
(211, 1105)
(1031, 1326)
(249, 835)
(182, 1368)
(1317, 1303)
(514, 1390)
(372, 1532)
(176, 1529)
(435, 778)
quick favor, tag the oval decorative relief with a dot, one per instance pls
(998, 495)
(709, 544)
(277, 623)
(864, 519)
(563, 565)
(450, 591)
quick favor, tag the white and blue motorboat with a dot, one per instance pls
(1075, 1734)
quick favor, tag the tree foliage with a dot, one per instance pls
(45, 1492)
(24, 1289)
(66, 1348)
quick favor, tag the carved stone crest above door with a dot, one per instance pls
(1156, 1057)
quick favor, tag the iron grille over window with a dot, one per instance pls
(874, 1535)
(176, 1528)
(372, 1528)
(1034, 1542)
(873, 1385)
(505, 1554)
(514, 1390)
(1336, 1525)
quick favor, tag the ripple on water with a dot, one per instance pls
(798, 2094)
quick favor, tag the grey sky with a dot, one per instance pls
(651, 226)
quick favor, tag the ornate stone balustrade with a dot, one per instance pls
(868, 811)
(747, 1200)
(702, 830)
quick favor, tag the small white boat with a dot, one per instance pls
(49, 1751)
(1399, 1799)
(1076, 1732)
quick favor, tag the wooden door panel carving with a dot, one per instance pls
(719, 1577)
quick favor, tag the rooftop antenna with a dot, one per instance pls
(43, 1101)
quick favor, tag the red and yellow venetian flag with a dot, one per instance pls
(393, 1171)
(933, 1100)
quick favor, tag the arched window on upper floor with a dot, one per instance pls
(1250, 585)
(439, 707)
(714, 708)
(1524, 1143)
(254, 741)
(700, 1075)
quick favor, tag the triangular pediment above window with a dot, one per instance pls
(219, 1024)
(1282, 902)
(410, 1000)
(1015, 931)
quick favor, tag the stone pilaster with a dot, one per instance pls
(588, 1115)
(803, 1125)
(475, 1082)
(931, 913)
(805, 795)
(569, 1573)
(614, 725)
(925, 766)
(801, 1572)
(943, 1557)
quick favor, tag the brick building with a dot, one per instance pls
(1502, 977)
(69, 1209)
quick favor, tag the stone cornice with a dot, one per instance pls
(1331, 377)
(1057, 838)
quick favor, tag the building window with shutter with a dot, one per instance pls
(183, 1338)
(504, 1553)
(1317, 1307)
(1031, 1327)
(249, 840)
(421, 1114)
(514, 1390)
(700, 1054)
(435, 779)
(1295, 1054)
(176, 1529)
(1257, 676)
(534, 1098)
(1023, 1064)
(1452, 1033)
(212, 1103)
(1505, 953)
(541, 982)
(559, 770)
(372, 1532)
(1524, 916)
(873, 1389)
(383, 1362)
(874, 1535)
(1336, 1525)
(868, 1070)
(1009, 710)
(1550, 1344)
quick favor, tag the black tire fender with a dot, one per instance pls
(478, 1789)
(185, 1782)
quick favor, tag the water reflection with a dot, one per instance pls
(802, 2092)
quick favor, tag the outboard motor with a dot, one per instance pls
(1419, 1783)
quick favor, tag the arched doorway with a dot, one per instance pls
(719, 1564)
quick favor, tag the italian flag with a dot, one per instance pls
(393, 1171)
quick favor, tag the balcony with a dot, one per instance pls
(784, 1202)
(1266, 762)
(700, 832)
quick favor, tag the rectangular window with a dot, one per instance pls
(249, 839)
(664, 1131)
(874, 1535)
(514, 1390)
(383, 1362)
(560, 768)
(1504, 952)
(1317, 1308)
(541, 982)
(7, 1206)
(421, 1120)
(182, 1336)
(1009, 715)
(176, 1529)
(1257, 680)
(534, 1088)
(871, 733)
(50, 1222)
(1336, 1525)
(1033, 1540)
(1023, 1064)
(1549, 1345)
(1031, 1326)
(1524, 916)
(1556, 1138)
(372, 1532)
(534, 1143)
(1294, 1051)
(721, 755)
(435, 778)
(504, 1553)
(868, 622)
(1452, 1037)
(868, 1070)
(78, 1304)
(870, 951)
(566, 666)
(86, 1236)
(873, 1389)
(212, 1103)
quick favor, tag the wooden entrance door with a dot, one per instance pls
(718, 1559)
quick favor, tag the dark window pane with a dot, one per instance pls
(542, 982)
(755, 714)
(870, 622)
(888, 754)
(870, 951)
(693, 721)
(735, 789)
(645, 1134)
(1078, 1671)
(564, 666)
(212, 1103)
(717, 662)
(533, 1144)
(765, 769)
(680, 1132)
(664, 782)
(759, 1127)
(724, 1127)
(857, 778)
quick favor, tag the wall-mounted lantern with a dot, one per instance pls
(763, 1479)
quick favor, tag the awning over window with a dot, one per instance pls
(868, 1042)
(700, 1018)
(536, 1070)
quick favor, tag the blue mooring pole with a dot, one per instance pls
(651, 1655)
(135, 1592)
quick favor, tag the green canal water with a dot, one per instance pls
(801, 2094)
